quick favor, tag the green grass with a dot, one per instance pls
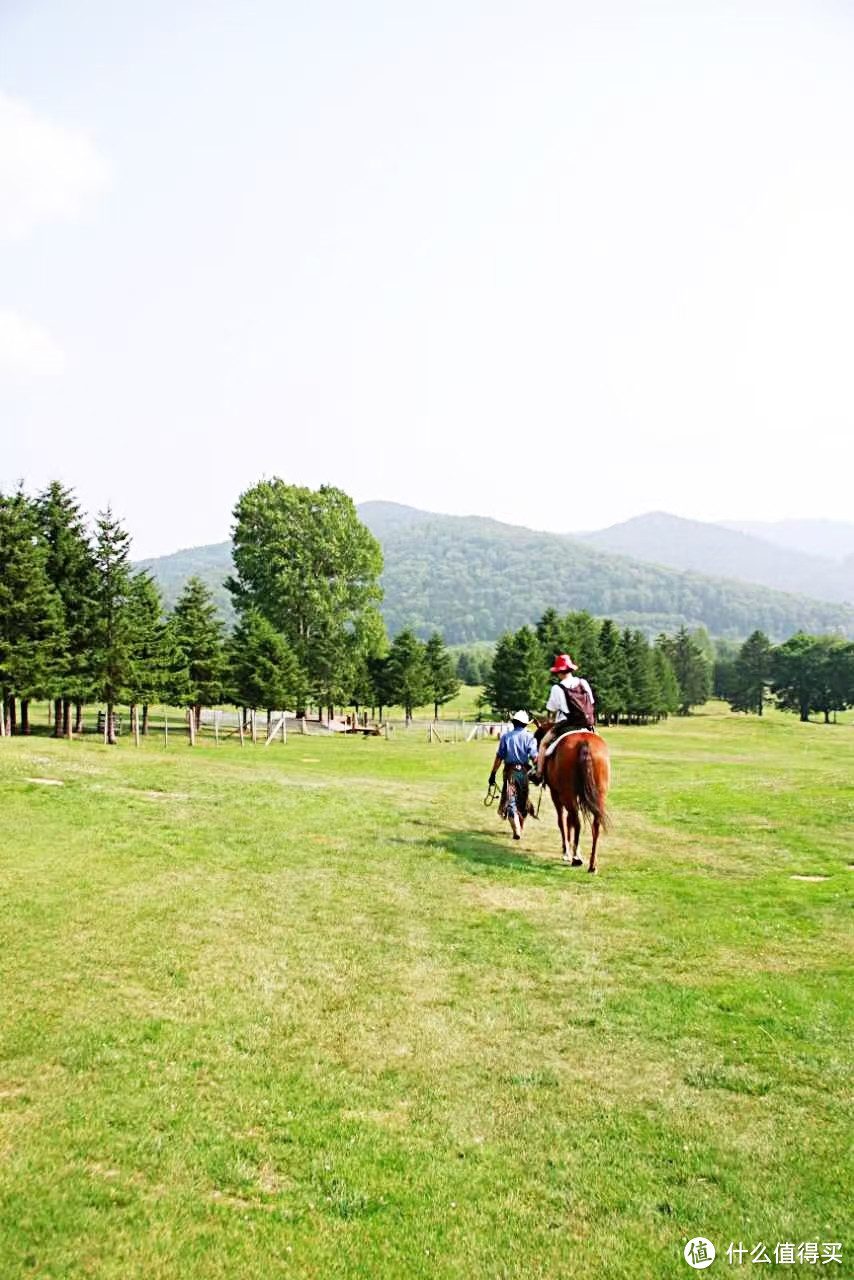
(307, 1011)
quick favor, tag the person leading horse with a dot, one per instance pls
(516, 750)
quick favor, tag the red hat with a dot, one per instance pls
(563, 662)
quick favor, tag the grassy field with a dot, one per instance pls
(307, 1011)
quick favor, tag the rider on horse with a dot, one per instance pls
(571, 704)
(516, 749)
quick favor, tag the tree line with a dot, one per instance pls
(635, 680)
(78, 624)
(806, 674)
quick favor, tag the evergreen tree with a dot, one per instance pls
(692, 668)
(666, 683)
(367, 642)
(582, 642)
(406, 673)
(197, 633)
(751, 673)
(262, 669)
(31, 636)
(71, 569)
(612, 685)
(468, 668)
(150, 659)
(551, 633)
(644, 694)
(518, 678)
(111, 639)
(442, 679)
(500, 686)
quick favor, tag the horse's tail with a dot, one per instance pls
(588, 793)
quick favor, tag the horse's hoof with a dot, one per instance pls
(592, 870)
(577, 862)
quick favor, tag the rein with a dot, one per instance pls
(493, 791)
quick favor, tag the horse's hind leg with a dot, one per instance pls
(561, 826)
(576, 837)
(594, 829)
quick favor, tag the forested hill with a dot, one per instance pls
(475, 577)
(472, 578)
(727, 552)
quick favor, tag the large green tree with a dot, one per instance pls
(303, 559)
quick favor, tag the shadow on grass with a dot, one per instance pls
(493, 851)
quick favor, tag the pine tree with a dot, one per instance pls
(518, 678)
(31, 636)
(262, 668)
(551, 633)
(406, 672)
(582, 642)
(149, 667)
(612, 684)
(111, 638)
(71, 569)
(197, 632)
(751, 674)
(643, 693)
(693, 669)
(666, 683)
(443, 683)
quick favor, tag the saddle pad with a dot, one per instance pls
(568, 734)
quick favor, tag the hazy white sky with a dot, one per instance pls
(444, 254)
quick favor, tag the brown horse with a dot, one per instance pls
(577, 773)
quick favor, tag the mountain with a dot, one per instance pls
(725, 552)
(833, 539)
(472, 578)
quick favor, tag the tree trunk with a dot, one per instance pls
(78, 716)
(197, 712)
(111, 725)
(66, 717)
(57, 717)
(25, 715)
(4, 729)
(145, 720)
(435, 711)
(13, 715)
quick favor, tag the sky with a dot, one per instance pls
(547, 261)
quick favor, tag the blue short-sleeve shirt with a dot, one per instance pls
(517, 746)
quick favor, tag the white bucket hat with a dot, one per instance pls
(520, 717)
